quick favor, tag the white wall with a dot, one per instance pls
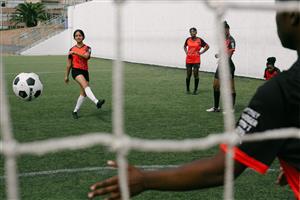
(154, 33)
(56, 45)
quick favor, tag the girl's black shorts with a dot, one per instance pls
(76, 72)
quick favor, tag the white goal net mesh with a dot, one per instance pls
(122, 143)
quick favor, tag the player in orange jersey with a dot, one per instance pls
(192, 47)
(78, 58)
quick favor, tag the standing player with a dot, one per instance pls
(230, 45)
(275, 105)
(271, 70)
(192, 47)
(78, 62)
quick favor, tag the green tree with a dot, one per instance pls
(30, 14)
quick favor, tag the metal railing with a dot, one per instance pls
(43, 31)
(32, 36)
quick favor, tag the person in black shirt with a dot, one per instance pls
(275, 105)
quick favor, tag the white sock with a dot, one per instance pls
(80, 100)
(90, 95)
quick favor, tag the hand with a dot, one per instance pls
(71, 52)
(66, 79)
(281, 179)
(111, 185)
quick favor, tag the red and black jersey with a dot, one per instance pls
(79, 62)
(271, 73)
(230, 44)
(275, 105)
(193, 49)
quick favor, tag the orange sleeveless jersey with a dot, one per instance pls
(77, 61)
(193, 50)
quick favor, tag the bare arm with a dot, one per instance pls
(230, 53)
(68, 69)
(87, 55)
(204, 49)
(202, 173)
(185, 49)
(185, 46)
(281, 179)
(196, 175)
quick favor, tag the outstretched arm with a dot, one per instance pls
(196, 175)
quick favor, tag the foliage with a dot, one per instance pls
(30, 14)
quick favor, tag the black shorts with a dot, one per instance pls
(192, 65)
(76, 72)
(232, 69)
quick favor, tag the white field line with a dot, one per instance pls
(86, 169)
(52, 72)
(91, 169)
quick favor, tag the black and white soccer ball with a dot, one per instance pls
(27, 86)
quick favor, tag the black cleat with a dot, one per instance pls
(100, 103)
(75, 115)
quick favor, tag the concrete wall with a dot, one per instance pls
(56, 45)
(155, 31)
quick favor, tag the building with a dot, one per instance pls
(54, 8)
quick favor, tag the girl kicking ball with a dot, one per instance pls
(78, 63)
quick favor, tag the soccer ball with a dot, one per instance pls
(27, 86)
